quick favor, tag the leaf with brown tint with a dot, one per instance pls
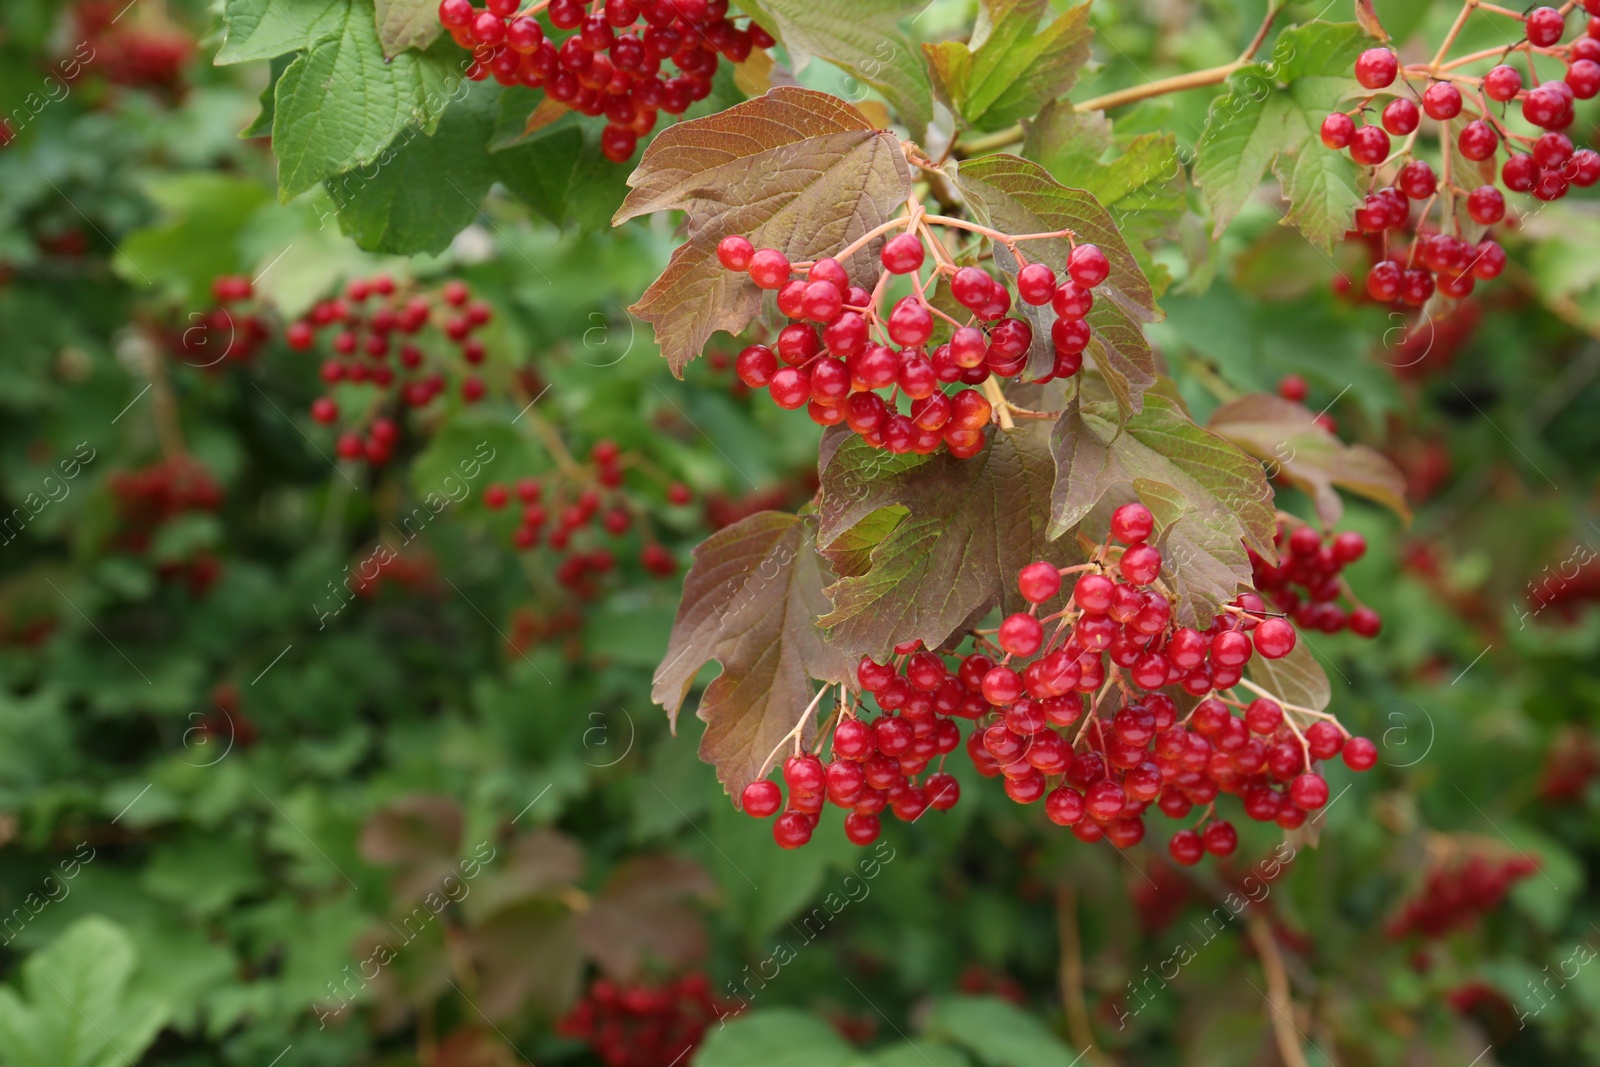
(643, 915)
(796, 170)
(751, 602)
(1285, 436)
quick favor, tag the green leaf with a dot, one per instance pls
(751, 601)
(1210, 499)
(1286, 437)
(425, 188)
(1018, 196)
(998, 1033)
(1013, 66)
(203, 216)
(780, 1037)
(796, 170)
(262, 29)
(1142, 187)
(1270, 118)
(78, 1010)
(563, 176)
(404, 24)
(964, 530)
(341, 103)
(863, 37)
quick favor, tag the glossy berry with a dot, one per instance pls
(1220, 839)
(1502, 83)
(1088, 266)
(761, 798)
(1376, 68)
(1370, 146)
(735, 253)
(1486, 205)
(1442, 101)
(1400, 116)
(1036, 284)
(1274, 638)
(1186, 847)
(1360, 754)
(902, 254)
(1477, 140)
(1337, 131)
(792, 829)
(1038, 582)
(1132, 523)
(769, 268)
(1545, 26)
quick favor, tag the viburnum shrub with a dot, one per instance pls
(996, 443)
(1508, 119)
(612, 58)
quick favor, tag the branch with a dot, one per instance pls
(1278, 994)
(1071, 977)
(1133, 94)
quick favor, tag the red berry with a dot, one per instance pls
(910, 322)
(1293, 387)
(1369, 146)
(455, 14)
(861, 828)
(1324, 739)
(1477, 140)
(1274, 638)
(1360, 754)
(804, 775)
(1400, 116)
(1186, 847)
(1309, 792)
(1132, 523)
(1263, 716)
(324, 410)
(1140, 564)
(903, 254)
(1036, 284)
(1221, 838)
(1486, 205)
(1502, 83)
(1088, 266)
(735, 253)
(769, 268)
(1064, 806)
(1417, 180)
(1376, 68)
(1364, 622)
(1545, 26)
(792, 829)
(1337, 131)
(1038, 582)
(1021, 635)
(761, 798)
(1441, 101)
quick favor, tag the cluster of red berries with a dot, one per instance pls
(149, 498)
(530, 627)
(1116, 628)
(1307, 584)
(429, 334)
(645, 1026)
(613, 64)
(227, 331)
(1547, 165)
(587, 495)
(131, 54)
(1457, 891)
(838, 352)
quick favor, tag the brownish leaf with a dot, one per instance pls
(543, 863)
(796, 170)
(643, 915)
(926, 542)
(420, 834)
(1286, 437)
(751, 602)
(526, 957)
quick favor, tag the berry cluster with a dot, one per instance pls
(1307, 585)
(579, 497)
(613, 64)
(644, 1026)
(840, 354)
(430, 335)
(234, 329)
(1457, 891)
(154, 496)
(1546, 164)
(139, 56)
(1116, 628)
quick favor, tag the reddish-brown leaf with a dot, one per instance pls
(644, 915)
(796, 170)
(751, 602)
(1286, 437)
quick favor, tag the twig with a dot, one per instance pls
(1278, 994)
(1071, 975)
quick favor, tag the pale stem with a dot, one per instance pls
(792, 735)
(997, 400)
(1284, 1029)
(1450, 38)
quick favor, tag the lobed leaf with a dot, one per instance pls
(1286, 437)
(796, 170)
(863, 37)
(264, 29)
(404, 24)
(1271, 117)
(1018, 196)
(1297, 678)
(339, 105)
(1209, 498)
(751, 602)
(943, 538)
(1013, 66)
